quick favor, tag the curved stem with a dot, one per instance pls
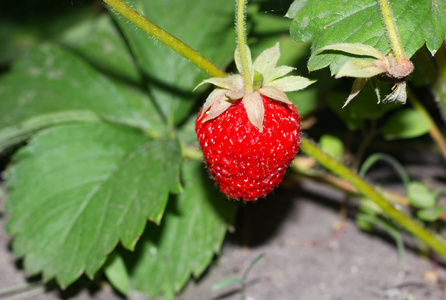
(431, 239)
(241, 39)
(434, 131)
(19, 288)
(372, 159)
(165, 38)
(395, 43)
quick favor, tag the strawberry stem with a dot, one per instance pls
(395, 44)
(241, 44)
(166, 38)
(403, 66)
(431, 239)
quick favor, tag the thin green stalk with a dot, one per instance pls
(241, 39)
(19, 288)
(28, 294)
(392, 231)
(191, 152)
(440, 58)
(394, 40)
(431, 239)
(434, 131)
(372, 159)
(165, 38)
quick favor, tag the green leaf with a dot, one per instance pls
(139, 101)
(191, 233)
(100, 43)
(357, 86)
(359, 68)
(291, 83)
(21, 27)
(50, 86)
(328, 22)
(430, 214)
(332, 145)
(420, 196)
(306, 100)
(204, 25)
(355, 49)
(116, 273)
(405, 123)
(78, 189)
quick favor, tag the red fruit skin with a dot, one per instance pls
(244, 162)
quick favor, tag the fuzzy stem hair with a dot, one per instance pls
(241, 44)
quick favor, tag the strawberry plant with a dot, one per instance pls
(102, 127)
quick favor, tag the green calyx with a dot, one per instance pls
(257, 80)
(265, 78)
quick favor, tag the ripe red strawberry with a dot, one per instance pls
(245, 162)
(249, 133)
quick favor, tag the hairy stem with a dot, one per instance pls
(431, 239)
(394, 40)
(241, 39)
(165, 38)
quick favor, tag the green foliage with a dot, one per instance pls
(28, 22)
(116, 273)
(330, 22)
(192, 231)
(420, 196)
(50, 86)
(206, 26)
(332, 146)
(365, 108)
(430, 214)
(93, 38)
(405, 123)
(114, 179)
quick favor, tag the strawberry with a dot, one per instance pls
(245, 162)
(250, 137)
